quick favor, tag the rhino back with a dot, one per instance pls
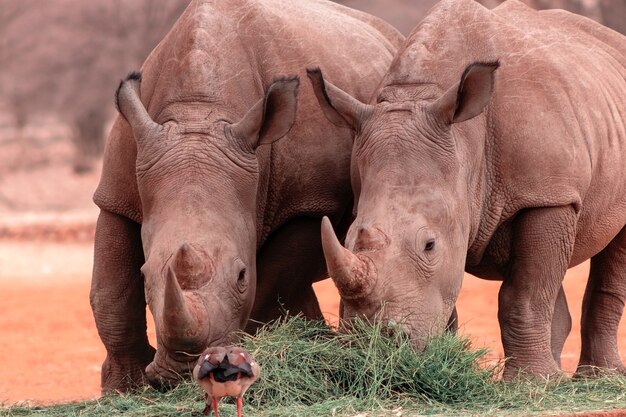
(220, 56)
(568, 136)
(553, 133)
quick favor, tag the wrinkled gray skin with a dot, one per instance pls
(210, 210)
(512, 171)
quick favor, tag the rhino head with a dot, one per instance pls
(198, 184)
(404, 254)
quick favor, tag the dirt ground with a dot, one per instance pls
(50, 351)
(49, 348)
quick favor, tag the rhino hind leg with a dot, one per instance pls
(118, 302)
(603, 305)
(287, 264)
(561, 326)
(543, 241)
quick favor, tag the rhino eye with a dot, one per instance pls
(242, 275)
(430, 245)
(242, 281)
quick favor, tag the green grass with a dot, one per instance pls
(309, 370)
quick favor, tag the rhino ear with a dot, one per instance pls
(469, 97)
(130, 106)
(339, 107)
(272, 117)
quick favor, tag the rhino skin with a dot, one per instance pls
(210, 210)
(497, 145)
(404, 14)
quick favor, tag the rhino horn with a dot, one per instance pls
(353, 275)
(130, 106)
(181, 322)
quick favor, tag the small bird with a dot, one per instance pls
(225, 372)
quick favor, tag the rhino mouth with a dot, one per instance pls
(166, 371)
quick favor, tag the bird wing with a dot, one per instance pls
(230, 369)
(205, 369)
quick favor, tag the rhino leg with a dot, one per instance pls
(118, 302)
(289, 262)
(453, 322)
(561, 326)
(603, 305)
(543, 241)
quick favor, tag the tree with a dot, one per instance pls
(66, 57)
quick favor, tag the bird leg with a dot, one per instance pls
(217, 414)
(239, 406)
(207, 407)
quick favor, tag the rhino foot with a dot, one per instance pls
(547, 371)
(593, 371)
(123, 374)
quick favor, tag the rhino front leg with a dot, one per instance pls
(118, 302)
(543, 241)
(453, 322)
(561, 326)
(289, 262)
(603, 305)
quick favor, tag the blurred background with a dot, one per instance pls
(60, 62)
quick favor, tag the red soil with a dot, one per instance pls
(50, 351)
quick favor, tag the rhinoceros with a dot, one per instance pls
(213, 182)
(497, 145)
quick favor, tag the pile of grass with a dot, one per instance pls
(307, 363)
(309, 370)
